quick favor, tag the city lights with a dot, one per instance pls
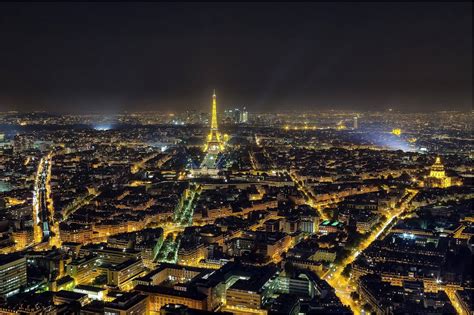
(270, 158)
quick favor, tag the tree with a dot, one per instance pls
(170, 256)
(342, 254)
(355, 296)
(354, 237)
(346, 272)
(328, 212)
(367, 308)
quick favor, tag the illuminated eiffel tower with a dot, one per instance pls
(214, 147)
(214, 143)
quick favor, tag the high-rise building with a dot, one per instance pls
(228, 116)
(356, 122)
(236, 116)
(233, 116)
(244, 116)
(12, 274)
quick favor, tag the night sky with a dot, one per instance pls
(123, 56)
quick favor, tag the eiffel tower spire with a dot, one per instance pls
(214, 142)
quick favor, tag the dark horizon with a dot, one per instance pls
(117, 57)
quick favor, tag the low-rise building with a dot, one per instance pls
(128, 304)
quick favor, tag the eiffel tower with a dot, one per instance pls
(214, 143)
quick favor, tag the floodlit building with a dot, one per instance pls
(161, 295)
(250, 293)
(22, 238)
(82, 270)
(327, 227)
(397, 132)
(128, 304)
(437, 176)
(94, 293)
(122, 275)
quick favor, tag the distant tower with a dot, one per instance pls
(236, 118)
(214, 142)
(244, 116)
(214, 112)
(356, 122)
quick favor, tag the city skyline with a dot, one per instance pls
(270, 57)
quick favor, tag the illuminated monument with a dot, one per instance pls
(214, 143)
(437, 169)
(214, 146)
(397, 132)
(437, 176)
